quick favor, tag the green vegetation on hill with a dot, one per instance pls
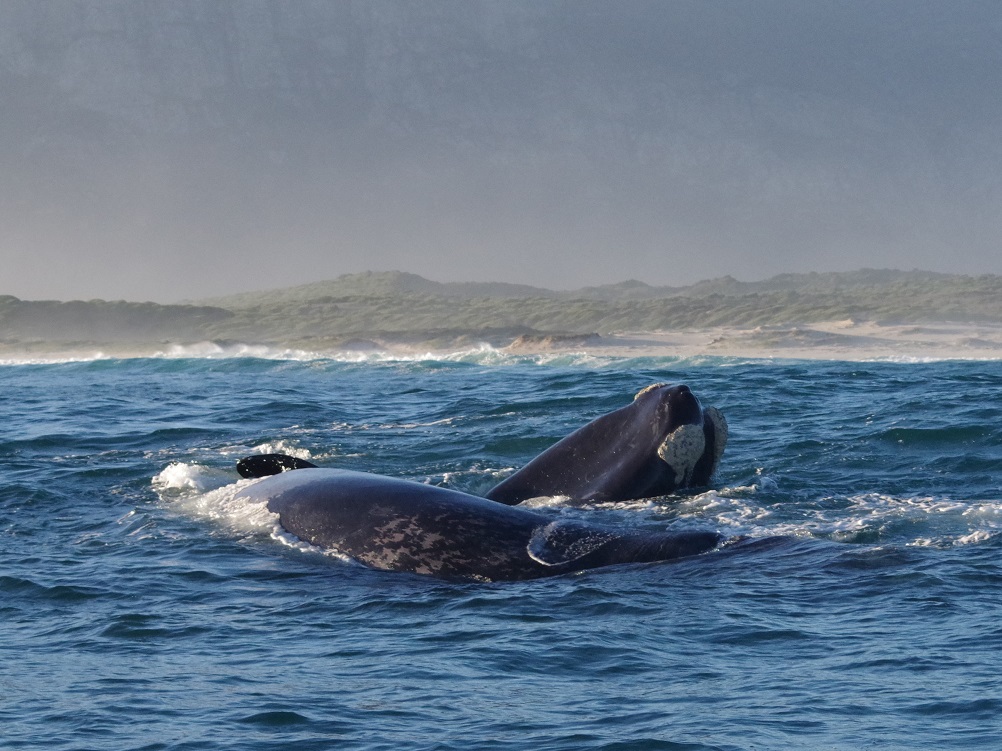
(400, 307)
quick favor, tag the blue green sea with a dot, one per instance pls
(143, 608)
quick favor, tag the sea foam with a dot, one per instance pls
(210, 495)
(921, 521)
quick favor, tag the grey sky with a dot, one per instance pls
(170, 150)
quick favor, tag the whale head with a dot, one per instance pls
(694, 436)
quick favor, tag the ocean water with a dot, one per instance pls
(141, 607)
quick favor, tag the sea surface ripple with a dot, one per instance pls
(142, 607)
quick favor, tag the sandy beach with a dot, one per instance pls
(833, 340)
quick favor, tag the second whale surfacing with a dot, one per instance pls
(663, 441)
(401, 525)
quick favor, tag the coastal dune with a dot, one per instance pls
(824, 340)
(864, 315)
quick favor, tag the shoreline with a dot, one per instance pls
(830, 340)
(845, 340)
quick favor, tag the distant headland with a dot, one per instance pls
(392, 310)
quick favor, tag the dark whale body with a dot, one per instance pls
(398, 525)
(664, 440)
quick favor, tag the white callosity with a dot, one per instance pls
(648, 388)
(682, 449)
(720, 434)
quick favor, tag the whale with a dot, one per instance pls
(663, 441)
(392, 524)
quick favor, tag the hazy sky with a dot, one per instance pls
(172, 150)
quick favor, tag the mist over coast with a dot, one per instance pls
(162, 150)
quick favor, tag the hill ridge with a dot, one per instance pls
(399, 306)
(375, 283)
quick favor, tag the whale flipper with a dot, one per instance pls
(562, 542)
(263, 465)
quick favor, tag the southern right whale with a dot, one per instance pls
(664, 440)
(400, 525)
